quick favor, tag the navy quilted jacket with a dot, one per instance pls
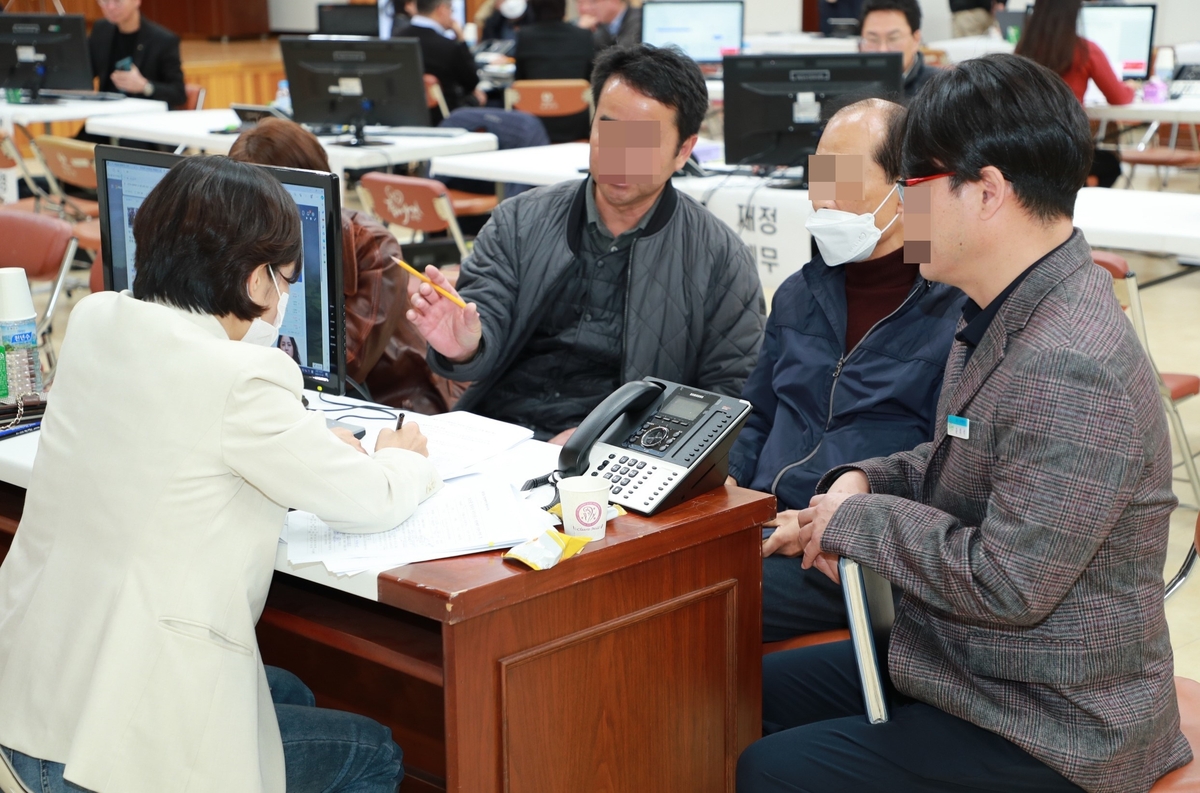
(817, 406)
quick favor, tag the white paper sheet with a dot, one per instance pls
(467, 516)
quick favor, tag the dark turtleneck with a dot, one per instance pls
(874, 289)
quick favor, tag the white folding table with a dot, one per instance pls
(14, 115)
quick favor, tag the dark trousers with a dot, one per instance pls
(819, 741)
(798, 601)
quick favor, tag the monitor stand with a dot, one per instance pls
(358, 129)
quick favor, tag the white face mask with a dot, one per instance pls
(844, 236)
(264, 333)
(513, 9)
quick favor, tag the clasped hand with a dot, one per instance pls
(800, 531)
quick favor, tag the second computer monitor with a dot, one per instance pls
(315, 318)
(44, 51)
(348, 20)
(706, 30)
(776, 106)
(1125, 33)
(355, 81)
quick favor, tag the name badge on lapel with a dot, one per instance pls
(958, 427)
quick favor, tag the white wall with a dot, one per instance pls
(296, 16)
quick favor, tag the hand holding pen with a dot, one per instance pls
(405, 436)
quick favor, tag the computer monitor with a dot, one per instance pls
(1125, 33)
(348, 20)
(706, 30)
(776, 106)
(356, 81)
(1012, 24)
(315, 318)
(44, 51)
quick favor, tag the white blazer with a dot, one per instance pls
(167, 458)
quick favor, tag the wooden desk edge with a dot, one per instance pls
(739, 510)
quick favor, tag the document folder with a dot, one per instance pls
(870, 609)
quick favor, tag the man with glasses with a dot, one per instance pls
(133, 55)
(1030, 649)
(895, 26)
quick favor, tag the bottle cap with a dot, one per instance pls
(16, 303)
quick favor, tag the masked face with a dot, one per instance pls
(844, 236)
(265, 333)
(513, 9)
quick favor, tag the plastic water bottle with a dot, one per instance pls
(283, 98)
(20, 366)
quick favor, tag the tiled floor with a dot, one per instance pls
(1172, 313)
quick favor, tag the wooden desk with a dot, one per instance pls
(635, 666)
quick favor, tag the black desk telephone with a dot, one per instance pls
(658, 443)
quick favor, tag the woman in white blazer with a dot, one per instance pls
(168, 456)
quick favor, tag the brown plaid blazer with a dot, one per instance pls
(1031, 554)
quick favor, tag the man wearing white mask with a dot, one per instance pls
(851, 366)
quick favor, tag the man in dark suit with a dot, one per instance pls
(1030, 649)
(551, 49)
(445, 54)
(124, 36)
(611, 22)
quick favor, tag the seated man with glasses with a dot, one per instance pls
(1030, 649)
(895, 26)
(132, 55)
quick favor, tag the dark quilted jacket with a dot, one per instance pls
(694, 310)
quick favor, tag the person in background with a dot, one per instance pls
(573, 289)
(123, 37)
(446, 55)
(505, 20)
(837, 9)
(1051, 39)
(1030, 649)
(895, 26)
(973, 17)
(612, 22)
(383, 350)
(853, 319)
(552, 49)
(128, 657)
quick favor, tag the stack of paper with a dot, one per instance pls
(466, 516)
(459, 442)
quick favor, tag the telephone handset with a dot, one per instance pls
(658, 443)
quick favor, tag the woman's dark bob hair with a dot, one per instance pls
(205, 228)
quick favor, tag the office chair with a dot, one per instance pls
(1174, 388)
(422, 205)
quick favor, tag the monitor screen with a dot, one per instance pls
(776, 106)
(314, 321)
(706, 30)
(348, 20)
(355, 80)
(44, 51)
(1125, 33)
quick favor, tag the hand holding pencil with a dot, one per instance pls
(449, 324)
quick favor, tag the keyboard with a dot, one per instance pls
(417, 132)
(88, 96)
(1182, 88)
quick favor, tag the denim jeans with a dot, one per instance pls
(324, 751)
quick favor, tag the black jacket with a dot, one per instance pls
(556, 51)
(630, 31)
(157, 58)
(916, 77)
(448, 60)
(969, 5)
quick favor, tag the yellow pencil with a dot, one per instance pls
(453, 298)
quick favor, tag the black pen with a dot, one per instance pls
(399, 422)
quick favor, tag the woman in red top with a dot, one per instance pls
(1050, 39)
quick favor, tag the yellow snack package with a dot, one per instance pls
(546, 550)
